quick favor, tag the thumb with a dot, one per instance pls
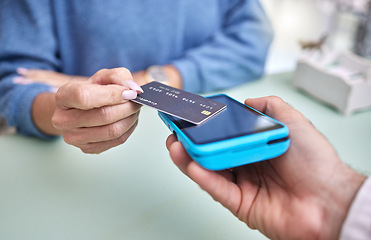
(272, 106)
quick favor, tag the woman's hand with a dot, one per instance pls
(57, 79)
(95, 115)
(54, 79)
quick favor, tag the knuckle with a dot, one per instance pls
(59, 95)
(68, 138)
(75, 92)
(83, 97)
(73, 138)
(105, 114)
(122, 139)
(58, 120)
(98, 75)
(131, 108)
(122, 70)
(92, 148)
(85, 150)
(89, 150)
(119, 73)
(57, 123)
(275, 100)
(114, 130)
(102, 71)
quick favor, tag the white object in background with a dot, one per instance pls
(342, 81)
(4, 129)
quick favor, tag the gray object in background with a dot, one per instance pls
(342, 81)
(4, 129)
(362, 44)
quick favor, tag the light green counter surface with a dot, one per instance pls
(50, 190)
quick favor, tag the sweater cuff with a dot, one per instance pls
(188, 70)
(23, 114)
(357, 224)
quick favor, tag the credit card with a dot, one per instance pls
(178, 103)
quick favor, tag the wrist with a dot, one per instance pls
(156, 73)
(175, 78)
(336, 204)
(43, 109)
(167, 74)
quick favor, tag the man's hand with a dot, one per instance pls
(303, 194)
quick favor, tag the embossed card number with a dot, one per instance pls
(178, 103)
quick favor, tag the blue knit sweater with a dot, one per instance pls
(215, 44)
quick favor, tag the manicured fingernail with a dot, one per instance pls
(129, 94)
(54, 89)
(18, 79)
(134, 86)
(21, 80)
(22, 71)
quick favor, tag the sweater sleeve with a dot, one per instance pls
(357, 224)
(27, 40)
(234, 55)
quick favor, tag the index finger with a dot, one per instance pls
(218, 184)
(106, 87)
(84, 95)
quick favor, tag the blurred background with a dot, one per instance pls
(49, 188)
(345, 23)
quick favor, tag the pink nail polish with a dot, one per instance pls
(129, 94)
(18, 80)
(21, 80)
(22, 71)
(133, 85)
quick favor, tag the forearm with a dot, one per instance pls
(43, 109)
